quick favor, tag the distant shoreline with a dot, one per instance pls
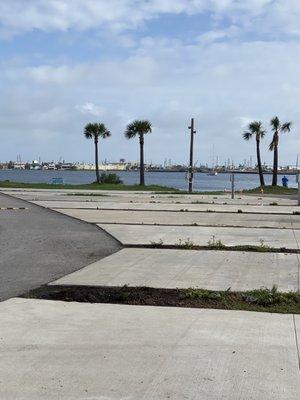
(154, 171)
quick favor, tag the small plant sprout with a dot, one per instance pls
(215, 244)
(159, 243)
(262, 245)
(186, 244)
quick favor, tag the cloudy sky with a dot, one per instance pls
(225, 62)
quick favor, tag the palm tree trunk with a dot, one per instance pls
(261, 175)
(142, 167)
(275, 166)
(96, 161)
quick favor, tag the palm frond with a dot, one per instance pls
(254, 128)
(88, 135)
(96, 130)
(275, 124)
(286, 127)
(262, 133)
(247, 135)
(137, 127)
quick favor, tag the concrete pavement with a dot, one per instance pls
(202, 235)
(112, 204)
(146, 197)
(214, 270)
(184, 218)
(68, 351)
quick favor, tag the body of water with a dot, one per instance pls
(202, 181)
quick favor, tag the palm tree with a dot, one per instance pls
(96, 131)
(139, 128)
(255, 129)
(277, 127)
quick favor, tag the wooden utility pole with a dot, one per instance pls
(232, 185)
(298, 181)
(191, 167)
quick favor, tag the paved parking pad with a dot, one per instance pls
(184, 218)
(157, 206)
(202, 235)
(87, 351)
(144, 197)
(215, 270)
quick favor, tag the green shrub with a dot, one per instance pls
(265, 297)
(110, 178)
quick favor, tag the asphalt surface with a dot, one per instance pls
(39, 245)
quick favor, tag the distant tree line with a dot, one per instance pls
(139, 128)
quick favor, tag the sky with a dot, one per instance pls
(64, 63)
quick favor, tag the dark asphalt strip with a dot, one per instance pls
(40, 245)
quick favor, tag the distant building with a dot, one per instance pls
(19, 165)
(102, 167)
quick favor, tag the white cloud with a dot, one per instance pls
(224, 78)
(215, 35)
(18, 16)
(90, 108)
(221, 85)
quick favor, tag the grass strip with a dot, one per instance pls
(263, 300)
(88, 186)
(271, 190)
(187, 245)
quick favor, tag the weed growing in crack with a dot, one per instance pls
(262, 246)
(264, 296)
(159, 243)
(187, 244)
(215, 244)
(195, 294)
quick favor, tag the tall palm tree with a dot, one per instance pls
(255, 129)
(139, 128)
(96, 131)
(277, 127)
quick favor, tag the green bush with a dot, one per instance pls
(110, 178)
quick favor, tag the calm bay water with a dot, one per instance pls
(202, 181)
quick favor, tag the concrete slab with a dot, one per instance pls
(215, 270)
(54, 350)
(143, 197)
(184, 218)
(158, 206)
(170, 235)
